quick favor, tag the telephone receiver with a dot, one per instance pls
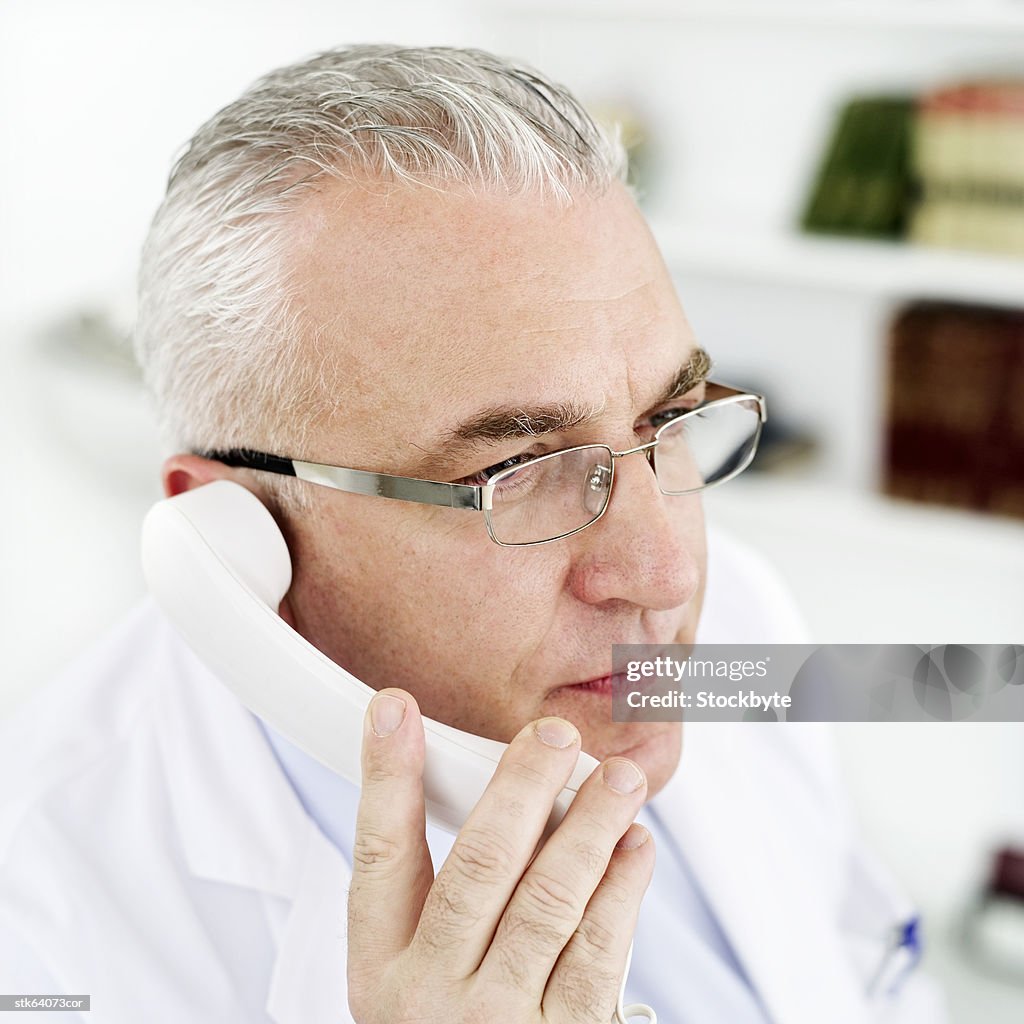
(218, 566)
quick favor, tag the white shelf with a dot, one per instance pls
(883, 268)
(984, 16)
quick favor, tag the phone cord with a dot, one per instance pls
(623, 1013)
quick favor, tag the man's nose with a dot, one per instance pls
(646, 549)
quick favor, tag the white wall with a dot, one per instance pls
(98, 97)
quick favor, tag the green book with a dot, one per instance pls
(864, 186)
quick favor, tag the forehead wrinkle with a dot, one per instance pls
(636, 320)
(609, 298)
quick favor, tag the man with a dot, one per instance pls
(424, 263)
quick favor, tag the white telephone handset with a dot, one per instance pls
(217, 564)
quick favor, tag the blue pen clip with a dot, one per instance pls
(901, 956)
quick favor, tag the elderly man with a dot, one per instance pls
(425, 264)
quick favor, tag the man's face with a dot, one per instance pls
(444, 307)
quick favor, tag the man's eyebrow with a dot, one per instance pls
(695, 371)
(504, 423)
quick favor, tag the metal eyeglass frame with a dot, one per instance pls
(479, 497)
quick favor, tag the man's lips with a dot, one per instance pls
(606, 684)
(599, 685)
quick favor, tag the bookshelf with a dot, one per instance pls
(883, 269)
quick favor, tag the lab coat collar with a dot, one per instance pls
(240, 823)
(238, 819)
(737, 849)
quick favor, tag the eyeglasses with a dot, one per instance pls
(555, 495)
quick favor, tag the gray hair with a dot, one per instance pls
(218, 319)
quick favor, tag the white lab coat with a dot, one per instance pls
(154, 856)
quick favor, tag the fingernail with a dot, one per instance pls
(623, 776)
(556, 732)
(386, 713)
(636, 835)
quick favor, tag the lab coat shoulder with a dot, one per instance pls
(809, 909)
(72, 723)
(72, 739)
(747, 601)
(113, 825)
(787, 799)
(746, 598)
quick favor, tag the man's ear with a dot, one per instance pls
(181, 473)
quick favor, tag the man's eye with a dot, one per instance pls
(484, 475)
(663, 416)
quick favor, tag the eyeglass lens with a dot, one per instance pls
(558, 495)
(708, 447)
(551, 497)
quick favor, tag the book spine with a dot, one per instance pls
(955, 407)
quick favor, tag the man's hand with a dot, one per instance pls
(495, 936)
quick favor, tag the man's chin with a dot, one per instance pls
(655, 746)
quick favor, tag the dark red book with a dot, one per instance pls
(955, 407)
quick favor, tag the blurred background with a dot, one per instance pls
(838, 189)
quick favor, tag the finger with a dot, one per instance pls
(587, 977)
(550, 901)
(391, 867)
(494, 846)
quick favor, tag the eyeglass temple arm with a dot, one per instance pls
(358, 481)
